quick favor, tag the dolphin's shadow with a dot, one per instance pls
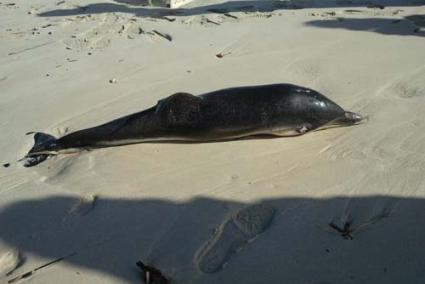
(298, 247)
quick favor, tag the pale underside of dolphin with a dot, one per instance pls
(278, 110)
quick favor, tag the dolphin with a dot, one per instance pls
(278, 109)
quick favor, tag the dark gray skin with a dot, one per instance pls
(279, 110)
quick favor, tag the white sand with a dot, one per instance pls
(162, 203)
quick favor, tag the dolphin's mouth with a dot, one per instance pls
(349, 119)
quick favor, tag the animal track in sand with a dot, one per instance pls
(405, 90)
(98, 37)
(233, 234)
(105, 29)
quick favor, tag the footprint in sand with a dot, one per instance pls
(84, 205)
(232, 235)
(9, 261)
(406, 91)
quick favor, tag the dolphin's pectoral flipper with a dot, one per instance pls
(303, 129)
(179, 110)
(292, 131)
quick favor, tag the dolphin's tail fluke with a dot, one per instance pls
(45, 145)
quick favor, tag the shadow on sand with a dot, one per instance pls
(411, 25)
(408, 26)
(299, 246)
(130, 6)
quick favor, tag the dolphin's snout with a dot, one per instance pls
(354, 117)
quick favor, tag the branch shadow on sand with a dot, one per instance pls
(138, 8)
(408, 26)
(298, 246)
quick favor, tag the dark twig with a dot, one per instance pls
(151, 275)
(346, 231)
(166, 36)
(31, 272)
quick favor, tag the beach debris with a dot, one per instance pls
(113, 81)
(222, 54)
(35, 31)
(151, 275)
(122, 29)
(205, 19)
(332, 13)
(346, 231)
(230, 16)
(6, 165)
(59, 3)
(37, 269)
(211, 21)
(164, 35)
(352, 11)
(168, 19)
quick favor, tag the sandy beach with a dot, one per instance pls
(343, 205)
